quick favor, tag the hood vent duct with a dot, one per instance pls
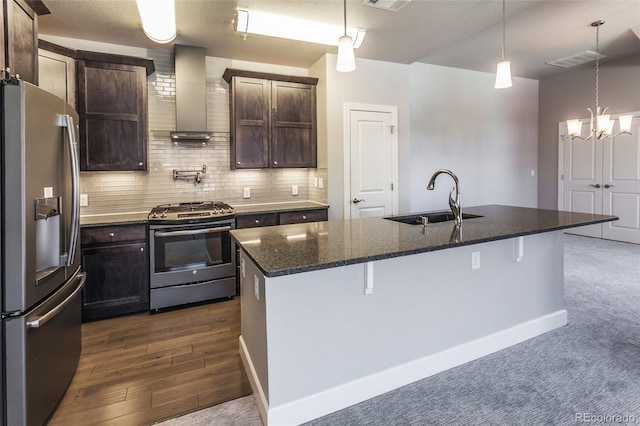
(191, 96)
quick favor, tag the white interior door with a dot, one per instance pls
(371, 169)
(603, 177)
(621, 185)
(582, 180)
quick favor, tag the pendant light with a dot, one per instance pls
(503, 72)
(346, 59)
(602, 127)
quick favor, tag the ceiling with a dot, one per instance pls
(456, 33)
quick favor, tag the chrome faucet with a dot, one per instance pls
(454, 203)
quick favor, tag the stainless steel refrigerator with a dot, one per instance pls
(41, 278)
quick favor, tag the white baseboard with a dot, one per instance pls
(347, 394)
(256, 387)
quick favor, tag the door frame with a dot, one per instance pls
(355, 106)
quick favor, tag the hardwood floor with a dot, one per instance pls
(140, 369)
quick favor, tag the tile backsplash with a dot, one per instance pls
(121, 192)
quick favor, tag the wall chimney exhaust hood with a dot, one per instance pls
(191, 96)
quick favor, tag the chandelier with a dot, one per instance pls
(602, 127)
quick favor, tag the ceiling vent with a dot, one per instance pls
(575, 60)
(388, 5)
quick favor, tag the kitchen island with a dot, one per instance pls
(334, 313)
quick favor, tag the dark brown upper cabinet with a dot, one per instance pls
(20, 37)
(112, 104)
(273, 120)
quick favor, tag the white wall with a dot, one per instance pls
(374, 82)
(487, 137)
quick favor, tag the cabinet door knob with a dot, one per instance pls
(275, 163)
(141, 164)
(238, 163)
(597, 185)
(257, 221)
(111, 234)
(608, 186)
(304, 217)
(141, 249)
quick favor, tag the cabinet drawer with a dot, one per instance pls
(113, 234)
(256, 220)
(302, 216)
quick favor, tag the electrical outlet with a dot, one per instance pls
(475, 260)
(294, 189)
(48, 192)
(246, 193)
(84, 200)
(320, 183)
(533, 172)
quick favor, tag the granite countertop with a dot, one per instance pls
(114, 219)
(289, 249)
(277, 207)
(141, 217)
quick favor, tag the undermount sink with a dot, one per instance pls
(434, 217)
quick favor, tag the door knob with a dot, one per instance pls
(608, 186)
(597, 185)
(356, 201)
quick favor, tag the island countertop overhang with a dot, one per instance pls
(291, 249)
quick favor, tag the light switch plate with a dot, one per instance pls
(294, 189)
(320, 183)
(48, 191)
(84, 200)
(246, 193)
(256, 286)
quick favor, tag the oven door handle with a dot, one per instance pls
(192, 232)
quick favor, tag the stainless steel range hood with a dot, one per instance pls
(191, 95)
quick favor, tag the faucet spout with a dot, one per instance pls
(454, 201)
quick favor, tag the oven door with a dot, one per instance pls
(190, 253)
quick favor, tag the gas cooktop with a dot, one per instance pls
(202, 211)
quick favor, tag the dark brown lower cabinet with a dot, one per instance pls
(117, 269)
(302, 216)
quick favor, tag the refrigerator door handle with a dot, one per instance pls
(67, 122)
(41, 320)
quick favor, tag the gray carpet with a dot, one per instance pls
(586, 372)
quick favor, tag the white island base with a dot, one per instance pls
(316, 342)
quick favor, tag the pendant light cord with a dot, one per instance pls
(503, 27)
(345, 17)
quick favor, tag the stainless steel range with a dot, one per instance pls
(192, 257)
